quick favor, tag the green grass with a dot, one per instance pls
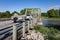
(50, 18)
(42, 29)
(51, 33)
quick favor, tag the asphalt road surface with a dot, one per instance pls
(4, 24)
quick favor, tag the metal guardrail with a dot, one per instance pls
(6, 32)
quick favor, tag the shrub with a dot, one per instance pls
(42, 29)
(50, 32)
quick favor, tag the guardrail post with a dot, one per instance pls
(23, 29)
(24, 37)
(14, 32)
(31, 23)
(28, 26)
(35, 21)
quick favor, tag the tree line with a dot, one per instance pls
(7, 14)
(52, 13)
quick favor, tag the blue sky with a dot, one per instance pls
(17, 5)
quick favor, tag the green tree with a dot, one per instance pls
(51, 13)
(8, 15)
(0, 14)
(44, 14)
(59, 12)
(56, 13)
(22, 12)
(5, 14)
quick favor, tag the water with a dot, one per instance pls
(51, 23)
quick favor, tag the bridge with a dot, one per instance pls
(17, 30)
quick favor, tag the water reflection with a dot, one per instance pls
(51, 23)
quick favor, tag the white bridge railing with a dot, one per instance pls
(7, 32)
(15, 31)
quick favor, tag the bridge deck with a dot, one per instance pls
(4, 24)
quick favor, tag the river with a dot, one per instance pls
(51, 23)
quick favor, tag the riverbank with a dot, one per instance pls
(46, 18)
(49, 33)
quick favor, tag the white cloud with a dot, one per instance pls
(52, 7)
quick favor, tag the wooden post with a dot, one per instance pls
(14, 32)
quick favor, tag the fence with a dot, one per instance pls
(10, 32)
(6, 33)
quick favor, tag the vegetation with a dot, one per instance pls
(22, 12)
(5, 14)
(44, 14)
(52, 13)
(50, 33)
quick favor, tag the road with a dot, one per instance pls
(4, 24)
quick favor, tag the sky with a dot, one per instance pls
(17, 5)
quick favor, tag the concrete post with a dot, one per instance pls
(23, 29)
(28, 26)
(14, 32)
(33, 21)
(31, 24)
(24, 35)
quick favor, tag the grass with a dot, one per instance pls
(50, 18)
(42, 29)
(51, 33)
